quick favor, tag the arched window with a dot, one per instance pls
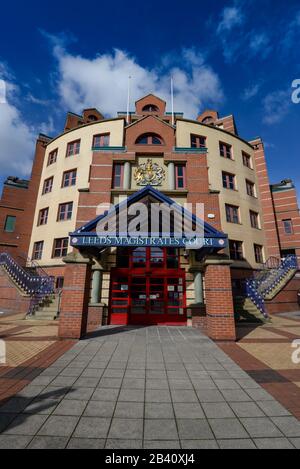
(92, 118)
(208, 120)
(150, 108)
(149, 139)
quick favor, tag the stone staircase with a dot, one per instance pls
(47, 309)
(264, 286)
(39, 288)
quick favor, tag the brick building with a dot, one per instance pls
(150, 156)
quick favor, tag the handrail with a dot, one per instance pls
(263, 283)
(36, 286)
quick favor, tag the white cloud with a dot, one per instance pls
(260, 45)
(231, 17)
(251, 91)
(102, 81)
(276, 106)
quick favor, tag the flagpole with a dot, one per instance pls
(128, 100)
(172, 100)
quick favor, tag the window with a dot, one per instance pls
(180, 180)
(197, 141)
(228, 181)
(101, 140)
(232, 213)
(37, 250)
(60, 247)
(92, 118)
(118, 173)
(247, 160)
(225, 150)
(69, 178)
(52, 157)
(236, 250)
(73, 148)
(10, 224)
(254, 219)
(43, 216)
(48, 184)
(149, 139)
(258, 251)
(288, 227)
(150, 108)
(250, 186)
(65, 211)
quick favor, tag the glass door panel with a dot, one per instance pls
(120, 295)
(175, 296)
(156, 295)
(139, 295)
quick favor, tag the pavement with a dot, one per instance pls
(146, 387)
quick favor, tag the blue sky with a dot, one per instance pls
(238, 57)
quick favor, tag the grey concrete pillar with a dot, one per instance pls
(199, 298)
(96, 287)
(171, 176)
(127, 175)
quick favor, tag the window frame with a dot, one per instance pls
(180, 177)
(197, 142)
(253, 188)
(66, 212)
(290, 221)
(12, 219)
(102, 138)
(121, 176)
(228, 175)
(35, 257)
(74, 142)
(71, 179)
(259, 258)
(226, 146)
(247, 160)
(150, 135)
(62, 248)
(234, 214)
(253, 214)
(238, 251)
(53, 154)
(42, 216)
(46, 181)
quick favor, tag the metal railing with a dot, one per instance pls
(38, 287)
(264, 282)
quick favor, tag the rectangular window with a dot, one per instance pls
(73, 148)
(250, 187)
(232, 213)
(180, 180)
(118, 175)
(225, 150)
(288, 226)
(43, 216)
(10, 224)
(228, 181)
(236, 250)
(254, 219)
(52, 157)
(69, 178)
(258, 251)
(60, 247)
(247, 160)
(38, 250)
(197, 141)
(65, 211)
(48, 184)
(101, 140)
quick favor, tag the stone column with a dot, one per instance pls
(171, 175)
(127, 175)
(198, 285)
(96, 287)
(75, 297)
(219, 300)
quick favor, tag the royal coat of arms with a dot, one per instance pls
(149, 174)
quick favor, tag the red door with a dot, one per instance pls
(151, 291)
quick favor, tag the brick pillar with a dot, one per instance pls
(75, 297)
(219, 301)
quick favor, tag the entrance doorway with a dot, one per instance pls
(147, 287)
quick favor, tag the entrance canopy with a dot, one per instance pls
(150, 219)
